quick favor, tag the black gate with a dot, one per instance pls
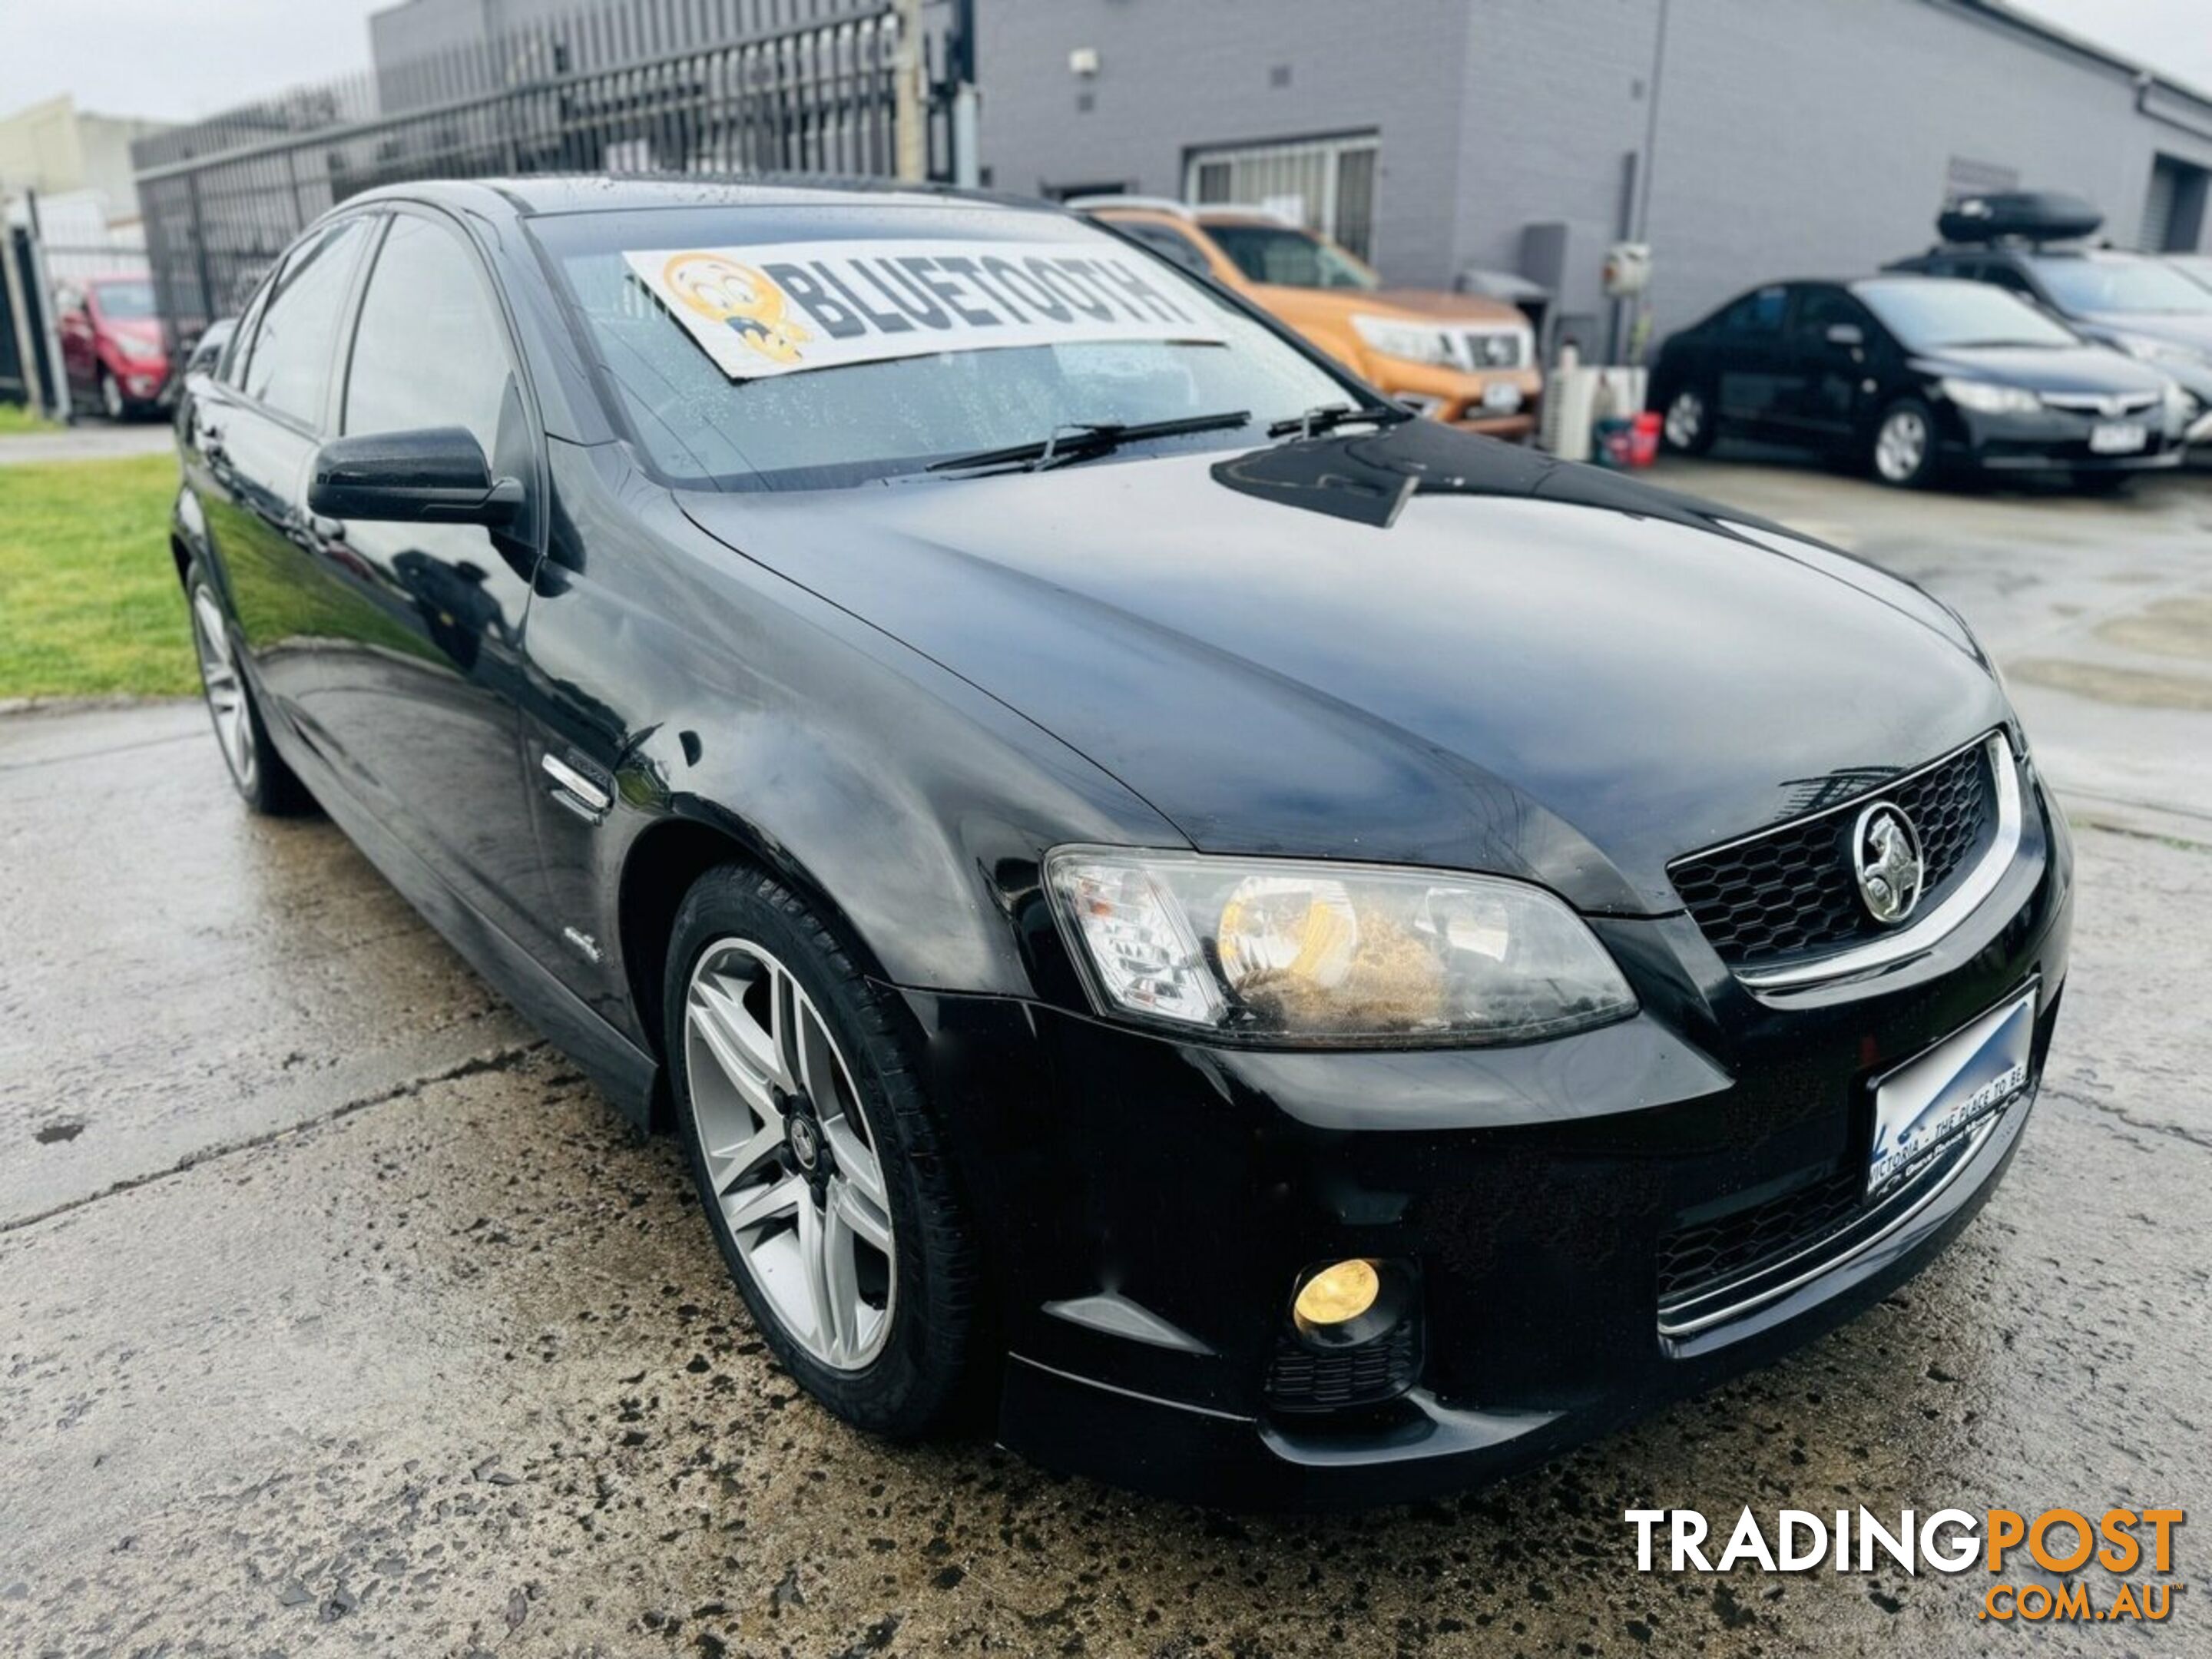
(33, 379)
(703, 87)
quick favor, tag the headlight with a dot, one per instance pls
(1988, 398)
(140, 350)
(1502, 347)
(1318, 953)
(1416, 343)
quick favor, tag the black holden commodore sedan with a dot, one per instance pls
(1285, 954)
(1910, 376)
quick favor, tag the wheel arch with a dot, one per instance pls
(659, 867)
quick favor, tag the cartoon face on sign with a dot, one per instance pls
(739, 295)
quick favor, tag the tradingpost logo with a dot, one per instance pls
(2115, 1565)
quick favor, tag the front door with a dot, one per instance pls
(420, 663)
(1820, 391)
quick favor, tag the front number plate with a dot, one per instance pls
(1963, 1078)
(2117, 438)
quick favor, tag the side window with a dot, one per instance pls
(233, 371)
(1173, 244)
(427, 350)
(1821, 308)
(1758, 311)
(290, 369)
(2006, 277)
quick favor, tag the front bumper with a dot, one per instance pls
(2052, 439)
(1465, 400)
(1150, 1205)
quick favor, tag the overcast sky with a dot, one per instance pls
(181, 59)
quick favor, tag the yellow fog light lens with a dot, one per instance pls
(1338, 1294)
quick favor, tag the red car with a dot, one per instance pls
(112, 347)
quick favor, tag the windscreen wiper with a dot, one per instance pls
(1080, 441)
(1328, 416)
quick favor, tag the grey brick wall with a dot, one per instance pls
(1795, 137)
(1175, 74)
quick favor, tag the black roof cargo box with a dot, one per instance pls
(2033, 215)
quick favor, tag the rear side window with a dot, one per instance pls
(232, 374)
(289, 368)
(426, 351)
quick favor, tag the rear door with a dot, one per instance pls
(1750, 359)
(422, 622)
(255, 437)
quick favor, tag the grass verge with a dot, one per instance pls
(87, 589)
(15, 420)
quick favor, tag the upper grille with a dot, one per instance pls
(2098, 403)
(1793, 890)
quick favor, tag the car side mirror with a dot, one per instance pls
(1846, 334)
(435, 475)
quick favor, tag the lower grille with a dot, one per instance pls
(1792, 890)
(1303, 1379)
(1696, 1259)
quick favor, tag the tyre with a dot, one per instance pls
(1688, 424)
(110, 398)
(1903, 450)
(263, 779)
(817, 1158)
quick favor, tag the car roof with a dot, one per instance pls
(1855, 283)
(563, 193)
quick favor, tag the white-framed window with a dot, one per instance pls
(1326, 184)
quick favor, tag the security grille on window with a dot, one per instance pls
(1327, 185)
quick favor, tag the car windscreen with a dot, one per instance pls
(1934, 313)
(126, 300)
(801, 347)
(1290, 258)
(2089, 285)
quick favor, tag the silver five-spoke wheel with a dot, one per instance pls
(225, 692)
(789, 1153)
(1901, 446)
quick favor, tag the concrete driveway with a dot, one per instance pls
(336, 1313)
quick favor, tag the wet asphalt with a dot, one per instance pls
(338, 1313)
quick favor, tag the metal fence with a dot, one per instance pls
(720, 87)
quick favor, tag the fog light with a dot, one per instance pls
(1338, 1294)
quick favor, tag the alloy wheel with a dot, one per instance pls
(1686, 419)
(225, 688)
(790, 1155)
(110, 398)
(1901, 446)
